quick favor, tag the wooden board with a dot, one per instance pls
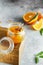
(13, 57)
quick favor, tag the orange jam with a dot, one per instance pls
(16, 33)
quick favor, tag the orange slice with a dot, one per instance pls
(37, 25)
(30, 17)
(39, 15)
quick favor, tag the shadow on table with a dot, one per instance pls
(19, 19)
(11, 0)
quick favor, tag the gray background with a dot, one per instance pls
(14, 10)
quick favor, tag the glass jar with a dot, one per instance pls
(16, 32)
(6, 46)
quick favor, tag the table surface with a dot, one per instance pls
(14, 11)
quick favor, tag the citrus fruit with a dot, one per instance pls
(30, 17)
(39, 15)
(37, 25)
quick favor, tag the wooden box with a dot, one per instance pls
(13, 57)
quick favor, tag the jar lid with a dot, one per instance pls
(6, 45)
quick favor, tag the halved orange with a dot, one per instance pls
(30, 17)
(39, 15)
(38, 25)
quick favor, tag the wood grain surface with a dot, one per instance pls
(13, 57)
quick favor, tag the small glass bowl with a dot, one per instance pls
(6, 45)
